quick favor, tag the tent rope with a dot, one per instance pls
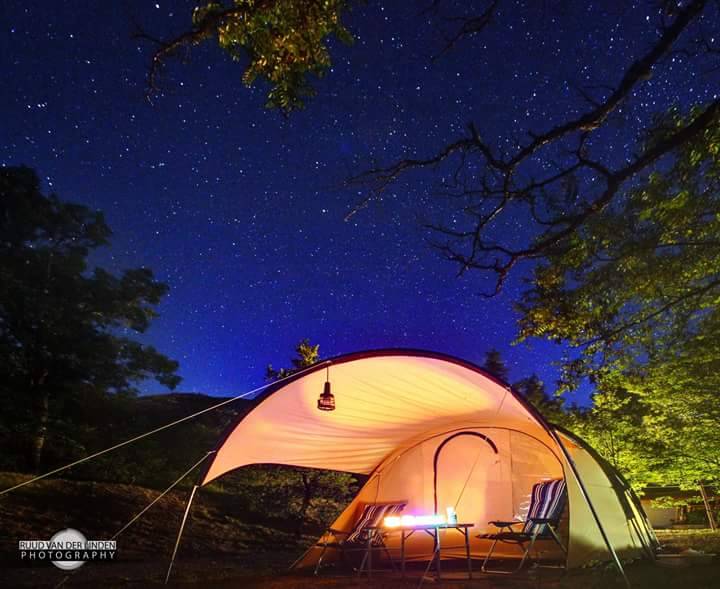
(467, 480)
(141, 513)
(154, 431)
(477, 456)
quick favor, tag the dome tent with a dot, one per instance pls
(433, 431)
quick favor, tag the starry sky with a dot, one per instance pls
(241, 211)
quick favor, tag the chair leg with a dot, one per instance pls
(557, 538)
(390, 558)
(484, 568)
(527, 552)
(361, 568)
(320, 559)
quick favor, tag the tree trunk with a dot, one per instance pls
(307, 497)
(42, 414)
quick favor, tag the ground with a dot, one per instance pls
(221, 551)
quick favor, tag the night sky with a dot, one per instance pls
(241, 210)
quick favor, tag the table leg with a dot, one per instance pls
(369, 552)
(430, 562)
(437, 551)
(467, 552)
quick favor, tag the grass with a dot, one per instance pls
(679, 540)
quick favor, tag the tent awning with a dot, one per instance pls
(384, 400)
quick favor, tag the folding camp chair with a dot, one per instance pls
(546, 507)
(356, 539)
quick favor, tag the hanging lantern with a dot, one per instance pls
(326, 400)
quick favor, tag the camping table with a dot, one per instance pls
(432, 530)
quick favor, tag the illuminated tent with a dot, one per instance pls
(434, 431)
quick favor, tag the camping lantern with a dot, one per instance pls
(326, 400)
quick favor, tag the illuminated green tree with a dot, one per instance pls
(636, 292)
(281, 42)
(307, 355)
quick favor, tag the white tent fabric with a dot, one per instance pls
(458, 468)
(627, 530)
(419, 423)
(384, 402)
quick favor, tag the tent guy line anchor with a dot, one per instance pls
(145, 509)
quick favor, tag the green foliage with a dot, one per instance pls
(64, 327)
(307, 355)
(614, 427)
(552, 408)
(636, 293)
(284, 41)
(307, 499)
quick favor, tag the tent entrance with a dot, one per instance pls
(466, 469)
(485, 473)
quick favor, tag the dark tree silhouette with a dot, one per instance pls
(63, 324)
(495, 365)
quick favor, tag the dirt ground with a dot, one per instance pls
(221, 550)
(269, 571)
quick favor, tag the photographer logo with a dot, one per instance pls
(68, 550)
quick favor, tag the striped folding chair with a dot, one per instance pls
(371, 516)
(546, 507)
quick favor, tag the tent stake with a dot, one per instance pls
(585, 495)
(180, 531)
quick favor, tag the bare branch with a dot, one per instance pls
(202, 31)
(470, 26)
(559, 201)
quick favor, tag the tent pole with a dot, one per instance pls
(708, 510)
(180, 531)
(585, 495)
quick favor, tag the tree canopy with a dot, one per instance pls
(636, 293)
(65, 326)
(622, 251)
(282, 42)
(306, 354)
(495, 365)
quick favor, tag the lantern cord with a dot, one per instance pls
(154, 431)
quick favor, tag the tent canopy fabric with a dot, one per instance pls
(433, 431)
(385, 400)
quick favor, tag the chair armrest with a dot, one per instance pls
(503, 524)
(335, 532)
(542, 520)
